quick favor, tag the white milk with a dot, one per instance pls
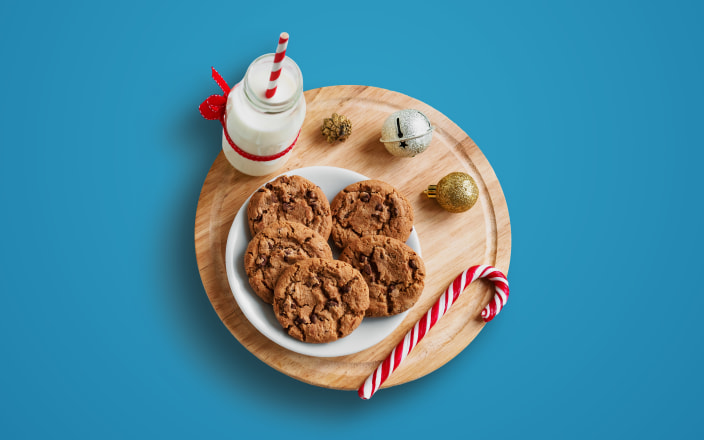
(263, 126)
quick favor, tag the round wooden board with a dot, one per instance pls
(450, 242)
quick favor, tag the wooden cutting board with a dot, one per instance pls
(450, 242)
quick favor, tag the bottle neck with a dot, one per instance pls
(289, 85)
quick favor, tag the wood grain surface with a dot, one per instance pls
(450, 242)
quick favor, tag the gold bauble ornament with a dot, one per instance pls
(456, 192)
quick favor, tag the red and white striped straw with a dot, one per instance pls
(276, 67)
(437, 311)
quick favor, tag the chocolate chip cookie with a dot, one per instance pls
(290, 198)
(276, 248)
(318, 300)
(370, 207)
(393, 271)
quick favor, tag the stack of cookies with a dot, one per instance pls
(290, 263)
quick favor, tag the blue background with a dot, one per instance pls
(589, 112)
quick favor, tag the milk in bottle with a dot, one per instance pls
(263, 128)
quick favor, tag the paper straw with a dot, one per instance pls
(276, 67)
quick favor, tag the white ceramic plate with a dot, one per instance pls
(370, 332)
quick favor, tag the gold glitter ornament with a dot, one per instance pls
(456, 192)
(336, 128)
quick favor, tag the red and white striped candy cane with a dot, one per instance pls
(441, 306)
(276, 67)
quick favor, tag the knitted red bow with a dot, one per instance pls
(213, 108)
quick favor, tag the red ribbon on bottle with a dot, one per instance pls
(213, 108)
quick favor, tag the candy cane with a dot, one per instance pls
(400, 352)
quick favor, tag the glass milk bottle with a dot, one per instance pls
(263, 130)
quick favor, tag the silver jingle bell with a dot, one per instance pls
(406, 133)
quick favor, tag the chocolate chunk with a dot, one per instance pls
(262, 260)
